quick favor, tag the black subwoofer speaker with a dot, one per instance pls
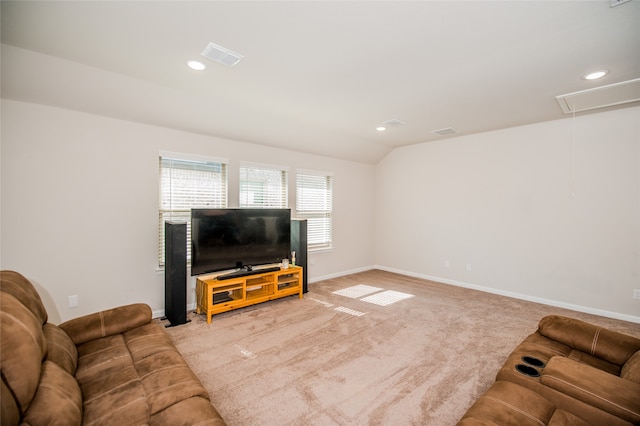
(175, 272)
(299, 245)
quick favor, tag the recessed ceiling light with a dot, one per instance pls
(381, 128)
(595, 75)
(196, 65)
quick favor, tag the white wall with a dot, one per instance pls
(79, 202)
(79, 205)
(539, 211)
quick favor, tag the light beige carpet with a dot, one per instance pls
(334, 359)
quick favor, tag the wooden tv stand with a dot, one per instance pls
(216, 296)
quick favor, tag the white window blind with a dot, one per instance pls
(263, 186)
(187, 184)
(314, 202)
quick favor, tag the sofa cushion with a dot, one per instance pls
(594, 361)
(564, 418)
(9, 412)
(61, 349)
(147, 340)
(123, 404)
(507, 403)
(58, 400)
(111, 386)
(195, 411)
(140, 372)
(165, 375)
(631, 368)
(23, 349)
(594, 387)
(167, 380)
(21, 288)
(536, 346)
(589, 338)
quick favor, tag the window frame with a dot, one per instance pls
(246, 183)
(182, 213)
(316, 209)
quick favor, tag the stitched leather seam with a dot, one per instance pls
(595, 341)
(119, 408)
(104, 333)
(592, 394)
(514, 408)
(111, 391)
(168, 367)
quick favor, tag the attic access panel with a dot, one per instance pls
(600, 97)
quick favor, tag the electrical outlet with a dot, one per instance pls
(74, 301)
(447, 264)
(636, 293)
(468, 267)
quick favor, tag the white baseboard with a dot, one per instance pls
(160, 312)
(558, 304)
(342, 274)
(578, 308)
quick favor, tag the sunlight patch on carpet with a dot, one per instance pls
(327, 304)
(350, 311)
(387, 297)
(245, 352)
(357, 291)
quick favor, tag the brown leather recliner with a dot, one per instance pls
(578, 368)
(112, 367)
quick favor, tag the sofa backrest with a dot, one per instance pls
(23, 350)
(37, 360)
(594, 340)
(21, 288)
(631, 368)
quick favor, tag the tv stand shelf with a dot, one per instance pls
(216, 296)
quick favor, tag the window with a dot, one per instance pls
(314, 194)
(263, 186)
(187, 183)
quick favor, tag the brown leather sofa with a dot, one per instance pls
(115, 367)
(568, 372)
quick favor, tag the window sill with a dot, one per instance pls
(321, 249)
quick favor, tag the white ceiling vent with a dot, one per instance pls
(444, 132)
(393, 123)
(601, 97)
(221, 54)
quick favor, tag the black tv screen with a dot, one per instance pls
(223, 239)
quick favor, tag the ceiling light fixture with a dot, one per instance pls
(595, 75)
(381, 128)
(195, 65)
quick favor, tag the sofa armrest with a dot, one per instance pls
(595, 387)
(589, 338)
(107, 323)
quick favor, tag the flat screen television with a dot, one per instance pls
(226, 239)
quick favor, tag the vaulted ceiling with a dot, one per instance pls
(318, 77)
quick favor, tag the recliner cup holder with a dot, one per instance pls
(527, 370)
(535, 362)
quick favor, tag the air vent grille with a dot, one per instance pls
(221, 55)
(393, 123)
(444, 132)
